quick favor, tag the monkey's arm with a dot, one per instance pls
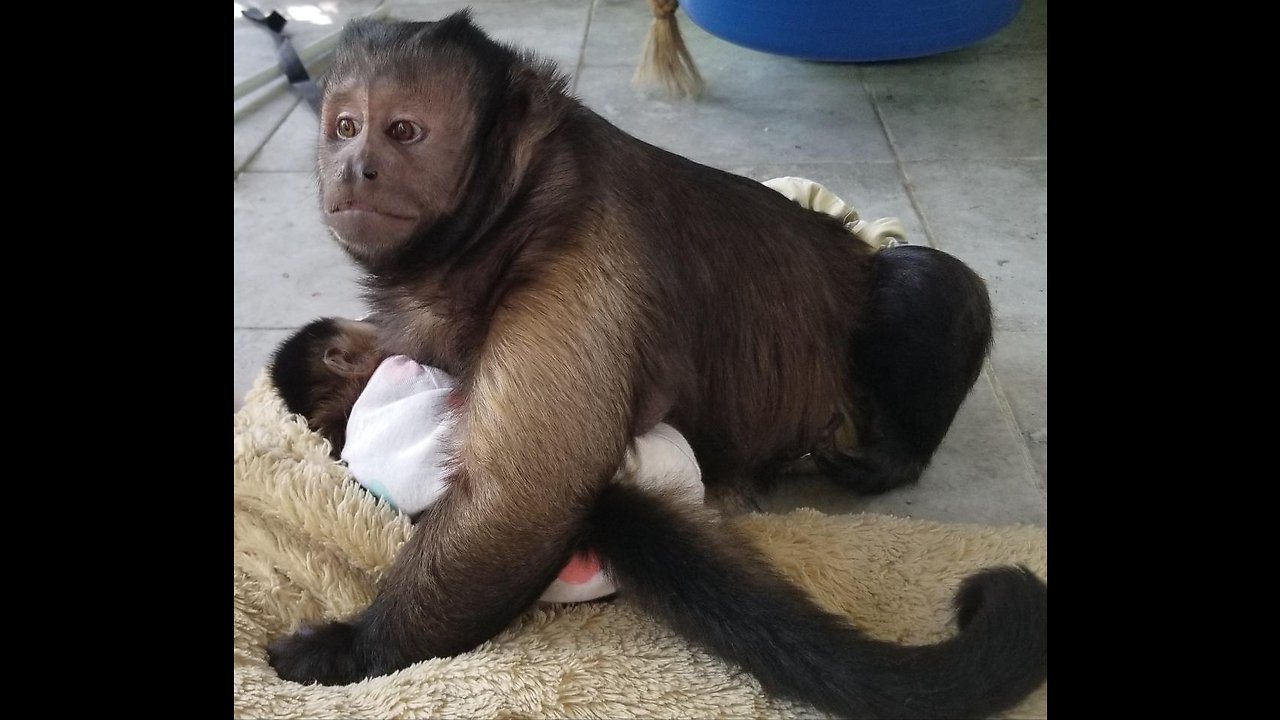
(543, 426)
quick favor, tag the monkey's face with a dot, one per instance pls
(393, 157)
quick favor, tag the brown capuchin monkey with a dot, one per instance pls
(581, 286)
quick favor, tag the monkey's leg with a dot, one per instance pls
(542, 428)
(732, 498)
(729, 487)
(470, 567)
(928, 333)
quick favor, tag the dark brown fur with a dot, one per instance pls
(581, 285)
(322, 369)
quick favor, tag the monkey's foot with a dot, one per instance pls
(869, 471)
(324, 654)
(731, 500)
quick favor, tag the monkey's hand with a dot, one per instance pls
(319, 654)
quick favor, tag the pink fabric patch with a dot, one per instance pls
(581, 567)
(402, 367)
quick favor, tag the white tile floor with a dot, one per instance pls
(954, 145)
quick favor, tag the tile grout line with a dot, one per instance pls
(929, 235)
(1011, 52)
(1006, 409)
(582, 49)
(809, 162)
(986, 159)
(254, 155)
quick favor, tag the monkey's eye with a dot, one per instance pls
(404, 131)
(347, 128)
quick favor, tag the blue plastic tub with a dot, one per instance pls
(852, 30)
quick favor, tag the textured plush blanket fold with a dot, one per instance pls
(309, 544)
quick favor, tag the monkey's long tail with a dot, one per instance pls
(720, 594)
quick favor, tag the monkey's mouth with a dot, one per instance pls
(355, 209)
(360, 226)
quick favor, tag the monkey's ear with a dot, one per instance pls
(341, 360)
(530, 108)
(525, 86)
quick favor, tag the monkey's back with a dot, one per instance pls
(760, 297)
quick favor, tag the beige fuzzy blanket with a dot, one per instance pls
(310, 544)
